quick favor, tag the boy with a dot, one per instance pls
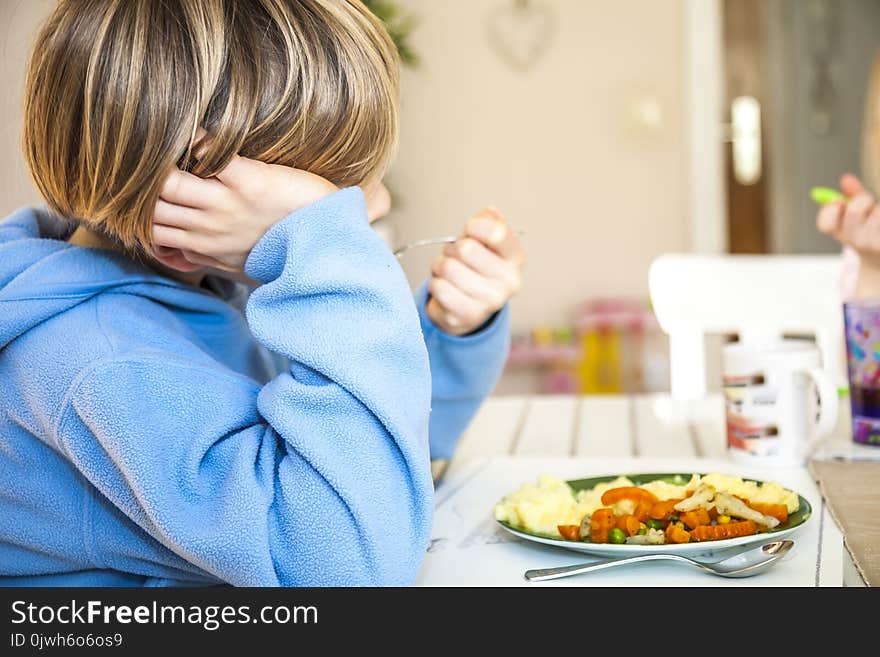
(159, 425)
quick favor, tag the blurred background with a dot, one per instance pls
(610, 132)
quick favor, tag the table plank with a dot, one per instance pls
(604, 427)
(548, 429)
(493, 430)
(661, 429)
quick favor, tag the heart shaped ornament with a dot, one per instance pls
(520, 32)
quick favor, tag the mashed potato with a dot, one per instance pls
(540, 507)
(768, 493)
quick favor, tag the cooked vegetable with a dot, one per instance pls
(622, 512)
(733, 506)
(677, 534)
(569, 532)
(629, 525)
(643, 510)
(650, 537)
(701, 499)
(655, 524)
(662, 510)
(729, 530)
(601, 523)
(696, 518)
(617, 536)
(634, 493)
(778, 511)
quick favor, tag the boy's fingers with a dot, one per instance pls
(232, 173)
(441, 316)
(485, 262)
(180, 216)
(468, 281)
(238, 170)
(184, 188)
(175, 238)
(206, 261)
(456, 302)
(490, 228)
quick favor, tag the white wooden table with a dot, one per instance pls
(514, 439)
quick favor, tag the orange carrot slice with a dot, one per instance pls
(629, 524)
(675, 534)
(730, 530)
(634, 493)
(569, 532)
(778, 511)
(662, 510)
(601, 522)
(696, 518)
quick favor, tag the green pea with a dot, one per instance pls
(616, 535)
(673, 518)
(642, 531)
(654, 524)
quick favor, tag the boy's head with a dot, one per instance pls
(116, 90)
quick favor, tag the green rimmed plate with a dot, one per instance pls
(794, 522)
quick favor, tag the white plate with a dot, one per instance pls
(705, 548)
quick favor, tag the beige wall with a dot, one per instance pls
(598, 195)
(555, 147)
(18, 25)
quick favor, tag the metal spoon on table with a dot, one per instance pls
(745, 564)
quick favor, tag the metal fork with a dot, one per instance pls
(434, 240)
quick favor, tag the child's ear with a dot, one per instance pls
(174, 259)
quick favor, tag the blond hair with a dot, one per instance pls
(116, 90)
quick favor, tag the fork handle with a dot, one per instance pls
(540, 574)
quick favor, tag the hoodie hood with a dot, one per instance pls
(42, 275)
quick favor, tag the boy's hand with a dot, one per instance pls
(475, 276)
(216, 222)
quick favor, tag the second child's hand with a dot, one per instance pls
(855, 223)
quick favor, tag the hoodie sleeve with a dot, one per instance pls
(464, 370)
(319, 478)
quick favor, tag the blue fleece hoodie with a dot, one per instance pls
(155, 433)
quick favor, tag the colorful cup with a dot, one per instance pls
(862, 327)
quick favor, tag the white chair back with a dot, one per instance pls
(757, 297)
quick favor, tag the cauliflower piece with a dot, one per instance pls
(733, 506)
(702, 498)
(652, 537)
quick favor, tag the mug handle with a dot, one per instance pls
(827, 399)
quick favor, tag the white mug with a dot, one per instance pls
(778, 401)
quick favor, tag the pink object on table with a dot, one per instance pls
(605, 313)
